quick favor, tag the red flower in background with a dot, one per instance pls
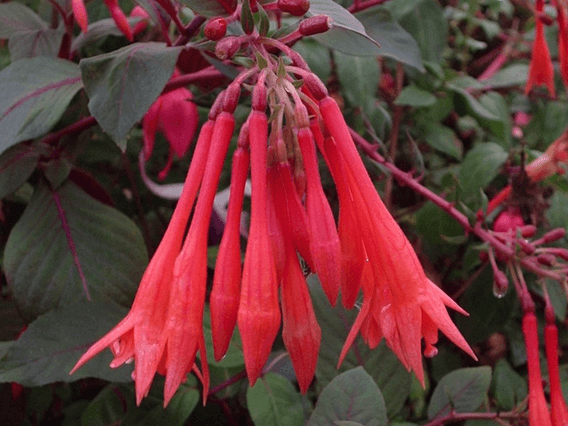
(540, 69)
(177, 118)
(113, 7)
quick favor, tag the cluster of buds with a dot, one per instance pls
(509, 228)
(541, 71)
(365, 252)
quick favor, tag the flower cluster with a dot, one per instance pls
(366, 251)
(541, 71)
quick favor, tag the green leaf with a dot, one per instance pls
(109, 406)
(316, 55)
(16, 166)
(495, 104)
(68, 246)
(510, 387)
(52, 344)
(352, 396)
(389, 374)
(123, 84)
(513, 75)
(347, 34)
(274, 401)
(359, 76)
(487, 313)
(424, 20)
(394, 40)
(210, 9)
(442, 138)
(16, 18)
(557, 214)
(462, 390)
(99, 30)
(416, 97)
(35, 94)
(480, 166)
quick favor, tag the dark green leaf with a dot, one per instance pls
(495, 103)
(68, 246)
(98, 30)
(16, 18)
(424, 20)
(359, 77)
(513, 75)
(109, 406)
(416, 97)
(16, 166)
(274, 401)
(389, 374)
(352, 396)
(510, 387)
(442, 138)
(487, 313)
(35, 93)
(480, 166)
(463, 390)
(347, 34)
(52, 344)
(557, 214)
(394, 40)
(123, 84)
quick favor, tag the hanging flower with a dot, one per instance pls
(538, 409)
(80, 13)
(558, 410)
(177, 118)
(540, 69)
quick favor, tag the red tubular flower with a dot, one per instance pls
(325, 247)
(410, 306)
(353, 255)
(259, 313)
(538, 409)
(177, 118)
(541, 71)
(224, 300)
(562, 42)
(558, 410)
(183, 334)
(301, 332)
(80, 13)
(138, 335)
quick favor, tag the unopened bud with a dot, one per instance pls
(294, 7)
(227, 47)
(546, 259)
(259, 97)
(545, 19)
(560, 252)
(553, 235)
(315, 86)
(215, 29)
(507, 220)
(528, 231)
(500, 283)
(231, 100)
(315, 25)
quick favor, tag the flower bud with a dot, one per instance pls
(227, 47)
(553, 235)
(528, 231)
(215, 29)
(315, 25)
(546, 259)
(508, 220)
(294, 7)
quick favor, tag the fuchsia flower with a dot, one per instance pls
(538, 409)
(290, 215)
(540, 69)
(177, 118)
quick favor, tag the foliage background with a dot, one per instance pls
(417, 97)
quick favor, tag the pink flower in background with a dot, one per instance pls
(176, 117)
